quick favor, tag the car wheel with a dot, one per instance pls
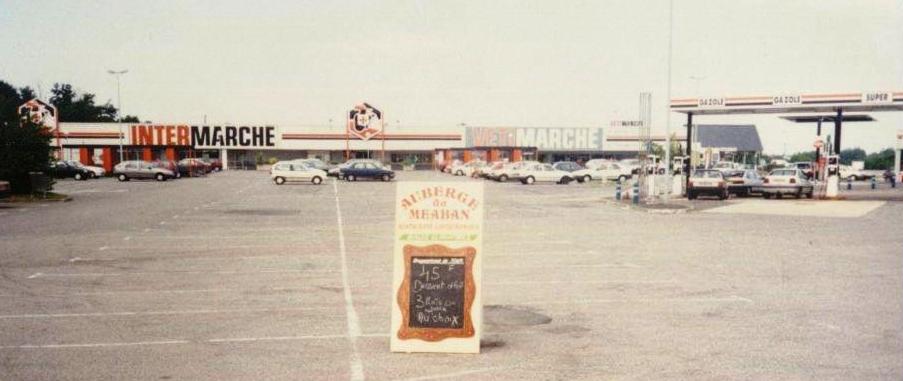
(178, 175)
(529, 180)
(564, 180)
(279, 180)
(160, 177)
(316, 180)
(778, 196)
(386, 178)
(349, 178)
(503, 178)
(724, 196)
(91, 175)
(799, 194)
(122, 177)
(691, 195)
(810, 194)
(622, 178)
(78, 176)
(459, 173)
(587, 178)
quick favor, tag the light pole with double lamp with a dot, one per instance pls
(118, 74)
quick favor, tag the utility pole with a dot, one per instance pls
(118, 74)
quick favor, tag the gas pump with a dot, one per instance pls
(832, 172)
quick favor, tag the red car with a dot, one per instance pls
(194, 167)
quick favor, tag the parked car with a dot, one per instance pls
(593, 163)
(94, 170)
(540, 172)
(283, 172)
(447, 168)
(786, 181)
(484, 170)
(513, 172)
(610, 171)
(193, 167)
(567, 166)
(63, 170)
(727, 166)
(493, 171)
(139, 169)
(176, 169)
(314, 163)
(468, 168)
(366, 170)
(707, 182)
(804, 166)
(336, 171)
(742, 182)
(215, 165)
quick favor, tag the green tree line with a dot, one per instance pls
(883, 159)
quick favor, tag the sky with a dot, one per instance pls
(435, 64)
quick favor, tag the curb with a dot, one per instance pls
(630, 206)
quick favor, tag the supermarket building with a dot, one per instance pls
(244, 146)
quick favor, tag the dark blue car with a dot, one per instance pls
(366, 170)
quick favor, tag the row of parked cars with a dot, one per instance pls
(563, 172)
(779, 182)
(160, 170)
(315, 171)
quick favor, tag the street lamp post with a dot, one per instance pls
(118, 74)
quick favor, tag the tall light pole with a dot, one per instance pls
(668, 101)
(118, 74)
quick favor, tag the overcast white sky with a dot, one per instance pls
(440, 63)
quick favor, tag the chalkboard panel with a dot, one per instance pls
(437, 292)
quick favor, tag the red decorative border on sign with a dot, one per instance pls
(406, 332)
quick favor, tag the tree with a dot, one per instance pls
(802, 156)
(880, 160)
(9, 102)
(849, 155)
(82, 108)
(24, 147)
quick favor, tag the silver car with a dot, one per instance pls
(139, 169)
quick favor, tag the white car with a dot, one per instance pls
(467, 169)
(603, 171)
(94, 170)
(541, 172)
(514, 171)
(786, 181)
(283, 172)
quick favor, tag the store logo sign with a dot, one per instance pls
(365, 121)
(203, 136)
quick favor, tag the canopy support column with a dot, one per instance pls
(689, 166)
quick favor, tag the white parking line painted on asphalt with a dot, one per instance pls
(95, 345)
(354, 327)
(174, 312)
(520, 282)
(224, 272)
(276, 338)
(127, 238)
(102, 248)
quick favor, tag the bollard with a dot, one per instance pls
(636, 193)
(618, 190)
(873, 183)
(849, 184)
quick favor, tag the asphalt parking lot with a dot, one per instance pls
(230, 277)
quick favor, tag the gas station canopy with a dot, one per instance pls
(828, 118)
(794, 103)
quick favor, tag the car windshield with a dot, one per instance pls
(707, 174)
